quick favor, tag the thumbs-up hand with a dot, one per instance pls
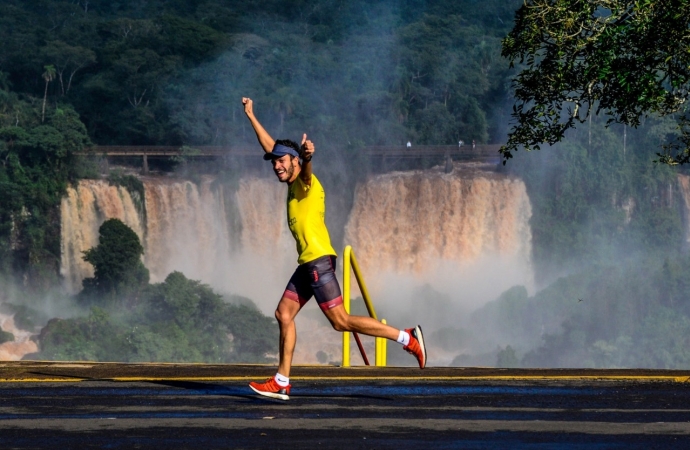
(307, 148)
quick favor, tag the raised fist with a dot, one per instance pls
(248, 106)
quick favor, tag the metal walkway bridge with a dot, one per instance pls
(385, 154)
(397, 151)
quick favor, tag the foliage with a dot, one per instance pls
(606, 240)
(171, 73)
(597, 199)
(387, 82)
(507, 358)
(625, 315)
(6, 336)
(168, 72)
(626, 58)
(37, 160)
(174, 321)
(677, 151)
(117, 263)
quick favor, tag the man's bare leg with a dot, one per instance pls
(285, 314)
(342, 321)
(411, 338)
(279, 385)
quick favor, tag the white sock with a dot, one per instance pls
(282, 380)
(404, 337)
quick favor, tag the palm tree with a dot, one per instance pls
(48, 75)
(283, 101)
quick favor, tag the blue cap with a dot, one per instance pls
(280, 150)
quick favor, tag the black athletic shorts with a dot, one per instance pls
(315, 278)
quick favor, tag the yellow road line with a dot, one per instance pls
(41, 380)
(372, 378)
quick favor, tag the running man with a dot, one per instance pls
(315, 275)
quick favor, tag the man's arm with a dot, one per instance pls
(307, 151)
(262, 135)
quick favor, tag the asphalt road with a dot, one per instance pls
(47, 405)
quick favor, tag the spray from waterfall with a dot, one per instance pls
(22, 343)
(187, 227)
(435, 246)
(465, 234)
(684, 186)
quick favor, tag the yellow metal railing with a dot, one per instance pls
(349, 261)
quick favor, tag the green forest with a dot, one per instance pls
(609, 236)
(609, 250)
(75, 74)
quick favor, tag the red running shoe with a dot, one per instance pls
(416, 346)
(271, 389)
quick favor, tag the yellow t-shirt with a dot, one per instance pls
(306, 214)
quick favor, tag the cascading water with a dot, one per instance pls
(410, 222)
(684, 185)
(22, 344)
(465, 233)
(83, 210)
(433, 246)
(183, 226)
(186, 229)
(428, 226)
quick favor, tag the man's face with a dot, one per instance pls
(284, 168)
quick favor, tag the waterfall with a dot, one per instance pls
(187, 227)
(410, 222)
(22, 344)
(465, 235)
(84, 208)
(684, 185)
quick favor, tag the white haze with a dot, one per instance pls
(52, 304)
(189, 228)
(186, 228)
(483, 247)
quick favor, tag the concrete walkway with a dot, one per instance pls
(122, 406)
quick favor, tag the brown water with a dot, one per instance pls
(22, 344)
(414, 221)
(466, 234)
(185, 228)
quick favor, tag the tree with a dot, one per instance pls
(283, 102)
(36, 162)
(177, 320)
(507, 358)
(116, 260)
(48, 76)
(626, 58)
(68, 60)
(438, 84)
(217, 331)
(435, 124)
(6, 336)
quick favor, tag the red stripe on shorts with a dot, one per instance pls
(325, 306)
(294, 297)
